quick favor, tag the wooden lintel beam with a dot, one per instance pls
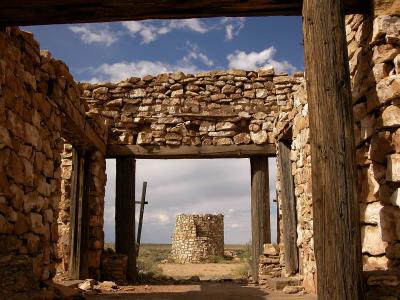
(39, 12)
(190, 152)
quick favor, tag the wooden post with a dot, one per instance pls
(288, 205)
(80, 189)
(336, 213)
(140, 223)
(125, 213)
(260, 212)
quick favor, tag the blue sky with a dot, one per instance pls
(114, 51)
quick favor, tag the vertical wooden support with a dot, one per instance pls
(288, 205)
(260, 211)
(125, 213)
(140, 223)
(336, 212)
(80, 189)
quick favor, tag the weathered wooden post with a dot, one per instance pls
(140, 223)
(260, 212)
(125, 212)
(288, 205)
(335, 207)
(80, 181)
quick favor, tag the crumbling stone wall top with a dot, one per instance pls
(209, 108)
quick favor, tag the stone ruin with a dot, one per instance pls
(197, 237)
(46, 118)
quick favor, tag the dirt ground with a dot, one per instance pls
(203, 271)
(201, 291)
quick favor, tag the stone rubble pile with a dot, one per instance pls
(269, 263)
(197, 237)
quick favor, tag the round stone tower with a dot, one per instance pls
(197, 237)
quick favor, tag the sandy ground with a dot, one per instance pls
(204, 271)
(201, 291)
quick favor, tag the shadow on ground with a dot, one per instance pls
(201, 291)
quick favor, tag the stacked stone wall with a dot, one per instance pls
(209, 108)
(197, 237)
(39, 101)
(30, 144)
(374, 51)
(292, 126)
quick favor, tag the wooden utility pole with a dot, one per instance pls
(289, 213)
(336, 213)
(125, 213)
(260, 211)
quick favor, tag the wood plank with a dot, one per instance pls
(35, 12)
(74, 259)
(77, 130)
(260, 209)
(79, 216)
(125, 213)
(190, 152)
(288, 205)
(140, 223)
(337, 242)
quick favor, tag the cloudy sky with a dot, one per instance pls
(114, 51)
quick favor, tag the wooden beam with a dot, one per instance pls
(288, 205)
(77, 129)
(190, 152)
(35, 12)
(260, 210)
(337, 242)
(140, 223)
(79, 222)
(125, 213)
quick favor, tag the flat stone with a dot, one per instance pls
(390, 223)
(369, 212)
(371, 240)
(388, 88)
(270, 249)
(260, 137)
(393, 168)
(136, 93)
(242, 138)
(100, 90)
(391, 116)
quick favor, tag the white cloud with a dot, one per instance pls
(189, 24)
(194, 53)
(95, 33)
(232, 26)
(122, 70)
(149, 32)
(254, 60)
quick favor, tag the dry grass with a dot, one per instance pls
(151, 256)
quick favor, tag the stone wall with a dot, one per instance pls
(374, 49)
(209, 108)
(39, 105)
(197, 237)
(98, 180)
(30, 144)
(293, 126)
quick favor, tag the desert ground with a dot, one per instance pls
(220, 278)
